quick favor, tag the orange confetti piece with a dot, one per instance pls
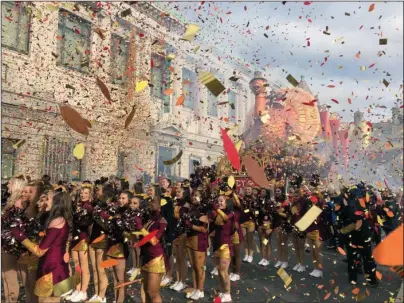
(127, 283)
(180, 100)
(171, 68)
(108, 263)
(362, 202)
(327, 296)
(168, 91)
(379, 275)
(41, 234)
(341, 251)
(358, 55)
(99, 239)
(390, 214)
(371, 7)
(320, 286)
(336, 290)
(349, 101)
(355, 291)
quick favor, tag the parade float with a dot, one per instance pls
(285, 136)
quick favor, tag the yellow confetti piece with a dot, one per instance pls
(284, 276)
(265, 241)
(238, 144)
(211, 83)
(18, 144)
(363, 67)
(231, 181)
(170, 57)
(79, 151)
(308, 218)
(191, 32)
(141, 86)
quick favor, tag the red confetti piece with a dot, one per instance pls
(361, 27)
(141, 35)
(358, 213)
(349, 101)
(370, 66)
(307, 2)
(230, 150)
(341, 251)
(147, 238)
(335, 101)
(77, 31)
(331, 86)
(228, 13)
(245, 7)
(309, 20)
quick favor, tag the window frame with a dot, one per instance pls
(76, 19)
(13, 154)
(124, 80)
(28, 40)
(192, 84)
(164, 99)
(191, 159)
(211, 96)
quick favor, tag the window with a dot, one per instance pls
(59, 162)
(188, 87)
(160, 78)
(212, 104)
(74, 42)
(232, 106)
(119, 59)
(192, 162)
(165, 153)
(15, 21)
(8, 155)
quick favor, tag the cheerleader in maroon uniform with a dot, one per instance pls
(281, 227)
(197, 244)
(297, 205)
(98, 242)
(180, 238)
(222, 219)
(152, 255)
(53, 269)
(247, 222)
(237, 239)
(135, 203)
(82, 220)
(264, 226)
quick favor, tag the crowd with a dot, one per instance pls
(165, 228)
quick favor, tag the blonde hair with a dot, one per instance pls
(16, 186)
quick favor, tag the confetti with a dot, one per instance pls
(173, 160)
(19, 144)
(104, 89)
(109, 263)
(292, 80)
(79, 151)
(168, 91)
(211, 83)
(309, 217)
(230, 150)
(141, 86)
(341, 251)
(130, 117)
(74, 119)
(191, 32)
(146, 239)
(355, 291)
(382, 41)
(180, 100)
(386, 84)
(371, 7)
(284, 276)
(255, 172)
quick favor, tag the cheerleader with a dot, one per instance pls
(298, 238)
(98, 242)
(264, 226)
(247, 222)
(82, 220)
(222, 219)
(10, 252)
(183, 200)
(281, 228)
(152, 254)
(117, 248)
(237, 239)
(167, 211)
(53, 269)
(197, 244)
(135, 203)
(313, 235)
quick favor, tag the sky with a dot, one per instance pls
(289, 39)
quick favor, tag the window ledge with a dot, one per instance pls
(74, 73)
(10, 53)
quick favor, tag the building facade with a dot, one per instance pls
(52, 55)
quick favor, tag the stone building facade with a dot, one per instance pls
(53, 54)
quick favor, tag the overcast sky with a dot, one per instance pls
(285, 50)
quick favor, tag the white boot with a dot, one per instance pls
(197, 295)
(214, 272)
(81, 296)
(225, 298)
(180, 286)
(316, 273)
(245, 258)
(234, 277)
(166, 280)
(190, 294)
(284, 265)
(250, 259)
(261, 262)
(72, 295)
(174, 285)
(301, 268)
(266, 263)
(278, 264)
(296, 267)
